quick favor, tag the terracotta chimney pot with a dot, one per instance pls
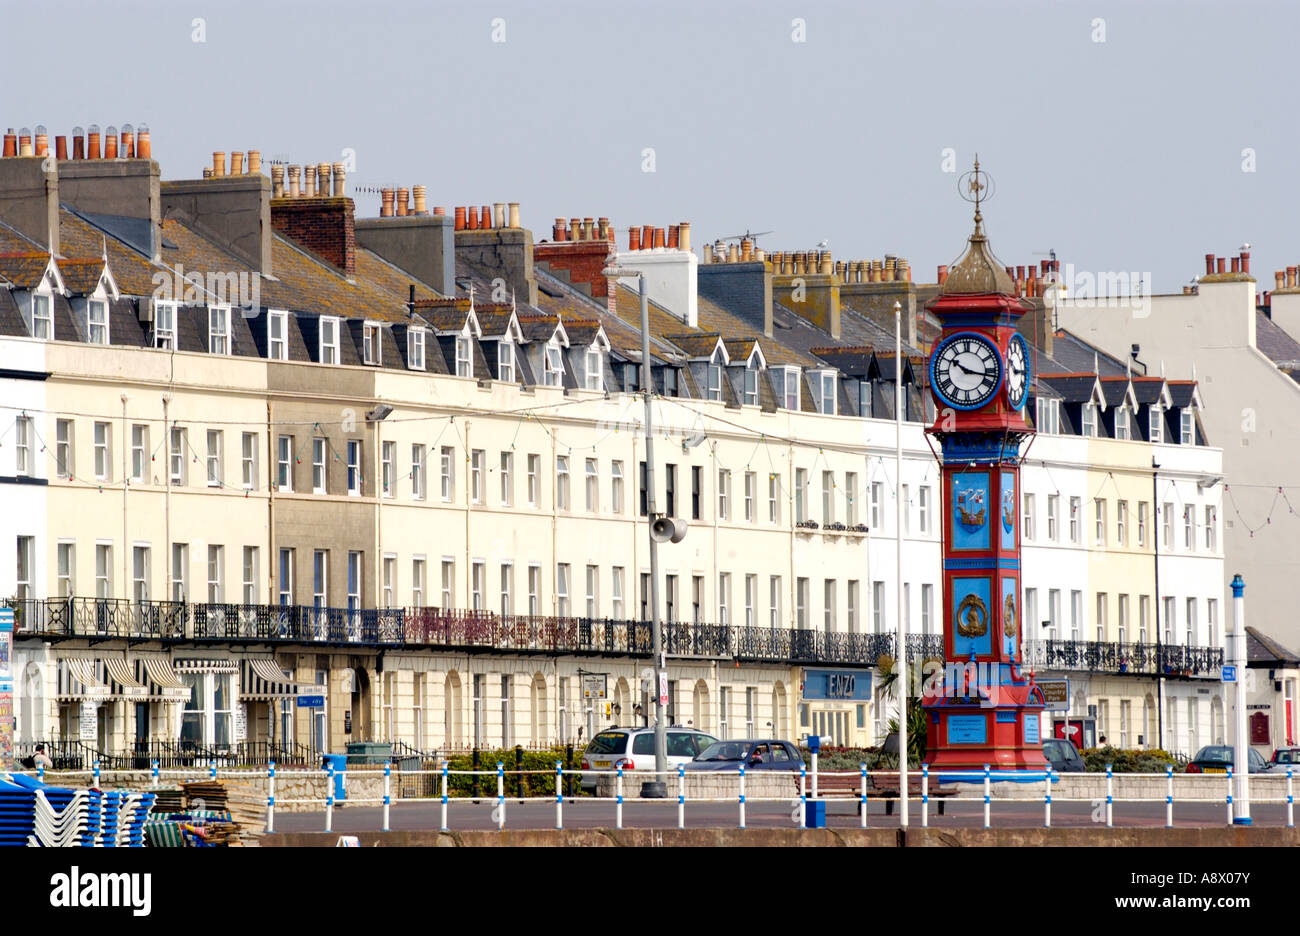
(295, 173)
(143, 146)
(647, 237)
(672, 237)
(277, 181)
(78, 143)
(41, 145)
(1291, 276)
(127, 149)
(459, 222)
(236, 163)
(60, 147)
(684, 235)
(402, 196)
(1245, 261)
(514, 214)
(218, 164)
(254, 162)
(110, 143)
(439, 211)
(659, 237)
(92, 142)
(340, 180)
(633, 239)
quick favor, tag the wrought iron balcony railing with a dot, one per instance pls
(1112, 657)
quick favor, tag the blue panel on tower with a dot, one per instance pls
(1031, 728)
(972, 627)
(970, 510)
(1008, 511)
(967, 729)
(1010, 616)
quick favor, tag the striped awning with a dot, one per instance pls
(78, 680)
(163, 684)
(263, 679)
(121, 679)
(205, 666)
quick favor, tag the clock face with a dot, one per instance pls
(1017, 371)
(966, 371)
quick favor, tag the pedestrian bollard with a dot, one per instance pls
(1110, 797)
(925, 796)
(803, 796)
(1047, 799)
(388, 790)
(1169, 796)
(329, 797)
(501, 795)
(862, 803)
(154, 772)
(1229, 796)
(681, 796)
(814, 773)
(444, 796)
(1290, 802)
(618, 798)
(559, 794)
(96, 771)
(742, 796)
(987, 791)
(270, 797)
(212, 769)
(40, 773)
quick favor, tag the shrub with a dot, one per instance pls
(530, 784)
(1128, 761)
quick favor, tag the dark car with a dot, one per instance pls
(755, 754)
(1062, 755)
(1285, 758)
(1217, 758)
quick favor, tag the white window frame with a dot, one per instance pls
(103, 439)
(216, 473)
(464, 357)
(219, 329)
(139, 452)
(284, 463)
(418, 475)
(592, 486)
(388, 468)
(1122, 430)
(248, 460)
(319, 463)
(372, 344)
(724, 494)
(1089, 420)
(354, 467)
(447, 474)
(477, 459)
(616, 486)
(507, 479)
(593, 371)
(790, 390)
(24, 466)
(828, 393)
(415, 347)
(164, 324)
(277, 346)
(1155, 425)
(64, 447)
(1186, 426)
(534, 480)
(714, 382)
(97, 326)
(561, 482)
(329, 340)
(553, 375)
(506, 361)
(751, 385)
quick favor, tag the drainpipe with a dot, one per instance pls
(167, 495)
(126, 484)
(469, 561)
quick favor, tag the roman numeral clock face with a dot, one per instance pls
(966, 371)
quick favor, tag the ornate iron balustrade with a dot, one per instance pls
(1135, 658)
(100, 617)
(925, 646)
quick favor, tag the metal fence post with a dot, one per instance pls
(40, 773)
(521, 782)
(681, 796)
(212, 768)
(814, 774)
(475, 763)
(501, 795)
(388, 799)
(987, 791)
(862, 803)
(1290, 802)
(803, 796)
(155, 775)
(925, 796)
(1229, 796)
(1047, 799)
(618, 799)
(559, 795)
(96, 772)
(742, 796)
(444, 796)
(329, 797)
(1169, 797)
(1110, 797)
(270, 797)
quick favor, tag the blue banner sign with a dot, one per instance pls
(967, 729)
(311, 701)
(826, 685)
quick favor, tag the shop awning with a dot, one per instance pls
(205, 666)
(263, 679)
(78, 680)
(163, 684)
(122, 681)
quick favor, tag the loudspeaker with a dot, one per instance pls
(668, 530)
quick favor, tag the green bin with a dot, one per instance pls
(369, 752)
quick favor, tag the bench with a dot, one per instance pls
(849, 785)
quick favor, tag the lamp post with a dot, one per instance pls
(898, 539)
(658, 787)
(1241, 750)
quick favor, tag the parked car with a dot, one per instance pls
(1062, 755)
(634, 749)
(755, 754)
(1285, 757)
(1217, 758)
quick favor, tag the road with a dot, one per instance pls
(465, 814)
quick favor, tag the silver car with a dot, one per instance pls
(634, 749)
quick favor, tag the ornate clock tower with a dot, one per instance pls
(987, 709)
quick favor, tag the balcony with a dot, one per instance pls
(1124, 658)
(105, 618)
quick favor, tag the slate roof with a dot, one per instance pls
(1076, 355)
(1265, 651)
(1273, 341)
(23, 270)
(1073, 388)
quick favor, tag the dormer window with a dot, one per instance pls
(715, 382)
(464, 364)
(329, 340)
(631, 378)
(670, 381)
(1122, 430)
(97, 321)
(277, 330)
(751, 384)
(594, 374)
(828, 394)
(1090, 419)
(506, 362)
(864, 399)
(1156, 422)
(791, 388)
(415, 349)
(554, 376)
(164, 325)
(218, 329)
(1186, 427)
(42, 316)
(1048, 415)
(372, 344)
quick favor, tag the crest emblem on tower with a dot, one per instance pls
(1008, 509)
(971, 512)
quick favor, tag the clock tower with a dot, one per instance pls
(986, 709)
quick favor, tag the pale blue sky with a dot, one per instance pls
(1121, 155)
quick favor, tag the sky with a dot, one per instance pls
(1125, 136)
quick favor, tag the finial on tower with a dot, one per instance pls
(977, 187)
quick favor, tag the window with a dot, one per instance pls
(1144, 617)
(773, 504)
(592, 486)
(139, 449)
(751, 485)
(828, 394)
(1212, 622)
(506, 361)
(103, 462)
(616, 592)
(724, 598)
(595, 378)
(448, 584)
(751, 384)
(448, 474)
(854, 587)
(180, 571)
(415, 349)
(751, 600)
(1100, 532)
(1156, 424)
(791, 395)
(26, 555)
(329, 340)
(907, 509)
(1053, 518)
(801, 603)
(42, 317)
(878, 607)
(1189, 527)
(1211, 528)
(1030, 520)
(714, 382)
(1142, 523)
(97, 321)
(774, 601)
(554, 367)
(354, 580)
(477, 464)
(724, 694)
(216, 471)
(561, 482)
(1186, 427)
(927, 612)
(389, 580)
(1167, 516)
(534, 590)
(1121, 522)
(417, 583)
(593, 591)
(828, 497)
(828, 606)
(354, 467)
(1103, 606)
(670, 381)
(724, 494)
(216, 574)
(507, 479)
(464, 363)
(534, 479)
(1193, 637)
(1122, 633)
(1090, 419)
(924, 495)
(285, 578)
(67, 570)
(865, 409)
(1122, 423)
(670, 490)
(1169, 622)
(670, 597)
(477, 584)
(800, 491)
(507, 588)
(219, 329)
(562, 589)
(417, 472)
(388, 467)
(23, 446)
(877, 497)
(248, 460)
(277, 330)
(697, 598)
(1047, 416)
(1076, 614)
(164, 325)
(103, 570)
(318, 477)
(283, 463)
(250, 575)
(1075, 507)
(616, 486)
(697, 488)
(63, 448)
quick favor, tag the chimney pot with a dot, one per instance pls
(402, 196)
(128, 142)
(1291, 276)
(460, 222)
(1236, 264)
(340, 180)
(514, 214)
(323, 180)
(309, 181)
(684, 235)
(439, 211)
(295, 173)
(60, 147)
(659, 237)
(1209, 264)
(11, 144)
(143, 146)
(254, 162)
(92, 142)
(602, 228)
(1221, 264)
(1279, 279)
(236, 163)
(1245, 261)
(42, 143)
(557, 230)
(942, 273)
(24, 142)
(588, 228)
(633, 239)
(498, 214)
(386, 196)
(485, 219)
(672, 236)
(218, 164)
(110, 143)
(277, 181)
(78, 143)
(419, 192)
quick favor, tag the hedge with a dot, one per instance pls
(1129, 761)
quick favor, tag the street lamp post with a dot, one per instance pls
(898, 556)
(1241, 752)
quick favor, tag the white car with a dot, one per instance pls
(634, 749)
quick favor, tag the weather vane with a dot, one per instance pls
(976, 186)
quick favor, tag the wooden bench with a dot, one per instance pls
(849, 785)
